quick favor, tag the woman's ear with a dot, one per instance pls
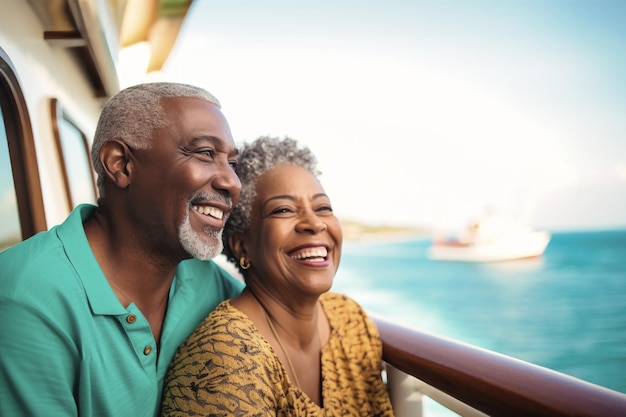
(115, 158)
(237, 245)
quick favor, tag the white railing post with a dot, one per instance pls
(405, 396)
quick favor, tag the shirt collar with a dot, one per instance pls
(99, 293)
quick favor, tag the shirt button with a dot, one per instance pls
(147, 350)
(131, 319)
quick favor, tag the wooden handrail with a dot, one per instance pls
(495, 384)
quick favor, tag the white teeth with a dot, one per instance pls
(209, 211)
(319, 252)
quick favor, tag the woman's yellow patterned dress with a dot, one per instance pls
(226, 368)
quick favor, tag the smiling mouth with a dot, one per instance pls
(317, 254)
(209, 211)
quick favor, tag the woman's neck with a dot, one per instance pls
(295, 338)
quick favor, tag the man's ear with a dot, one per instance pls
(118, 166)
(238, 245)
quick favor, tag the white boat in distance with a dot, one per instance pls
(491, 239)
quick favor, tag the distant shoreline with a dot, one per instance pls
(358, 232)
(386, 237)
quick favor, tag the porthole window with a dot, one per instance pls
(10, 230)
(21, 203)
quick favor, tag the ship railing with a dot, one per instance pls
(472, 381)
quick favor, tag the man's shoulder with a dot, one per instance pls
(35, 257)
(42, 263)
(29, 246)
(207, 274)
(189, 268)
(46, 246)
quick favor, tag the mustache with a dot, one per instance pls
(203, 196)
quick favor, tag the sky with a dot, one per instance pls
(429, 113)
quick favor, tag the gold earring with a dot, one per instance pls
(244, 263)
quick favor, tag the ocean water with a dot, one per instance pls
(565, 311)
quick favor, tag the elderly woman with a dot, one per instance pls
(286, 346)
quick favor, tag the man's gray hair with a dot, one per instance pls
(134, 113)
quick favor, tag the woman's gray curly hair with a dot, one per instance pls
(134, 113)
(254, 160)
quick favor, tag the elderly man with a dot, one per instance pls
(92, 311)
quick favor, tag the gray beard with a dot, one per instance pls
(195, 245)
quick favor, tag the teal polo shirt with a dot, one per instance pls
(67, 345)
